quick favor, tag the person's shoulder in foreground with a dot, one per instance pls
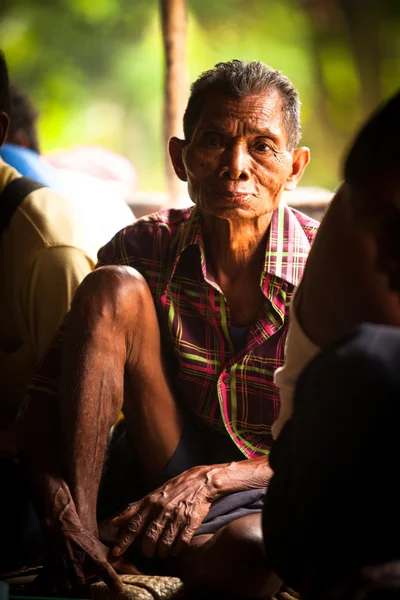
(332, 506)
(341, 285)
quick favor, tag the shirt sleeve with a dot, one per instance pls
(54, 277)
(299, 351)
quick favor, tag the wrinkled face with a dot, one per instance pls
(237, 162)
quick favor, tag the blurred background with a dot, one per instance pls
(95, 68)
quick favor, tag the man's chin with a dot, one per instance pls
(233, 212)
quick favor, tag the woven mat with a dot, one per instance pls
(136, 587)
(151, 587)
(141, 587)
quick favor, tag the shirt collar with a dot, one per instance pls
(286, 252)
(188, 235)
(287, 247)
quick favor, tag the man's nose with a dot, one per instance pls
(235, 163)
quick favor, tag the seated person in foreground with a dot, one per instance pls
(332, 510)
(341, 285)
(181, 327)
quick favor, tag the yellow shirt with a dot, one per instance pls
(49, 246)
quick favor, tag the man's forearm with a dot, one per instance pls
(238, 476)
(38, 446)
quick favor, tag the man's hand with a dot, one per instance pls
(76, 556)
(167, 518)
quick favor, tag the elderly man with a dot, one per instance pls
(181, 327)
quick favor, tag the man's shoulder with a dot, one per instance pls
(47, 220)
(30, 164)
(160, 224)
(7, 174)
(170, 218)
(43, 208)
(151, 236)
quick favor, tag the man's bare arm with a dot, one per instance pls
(75, 554)
(167, 519)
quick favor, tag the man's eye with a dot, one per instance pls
(213, 141)
(262, 147)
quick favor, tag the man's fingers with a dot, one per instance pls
(151, 536)
(128, 513)
(122, 565)
(128, 534)
(167, 539)
(183, 540)
(106, 572)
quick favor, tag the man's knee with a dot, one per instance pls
(112, 295)
(247, 555)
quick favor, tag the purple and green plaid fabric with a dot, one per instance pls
(230, 390)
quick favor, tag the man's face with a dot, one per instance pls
(237, 163)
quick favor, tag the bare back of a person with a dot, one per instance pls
(341, 285)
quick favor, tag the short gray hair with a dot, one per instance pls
(238, 78)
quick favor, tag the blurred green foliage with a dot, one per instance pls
(95, 67)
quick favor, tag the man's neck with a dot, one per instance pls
(235, 246)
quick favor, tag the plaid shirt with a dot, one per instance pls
(230, 390)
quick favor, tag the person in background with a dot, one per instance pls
(181, 325)
(22, 149)
(114, 171)
(331, 516)
(99, 182)
(48, 246)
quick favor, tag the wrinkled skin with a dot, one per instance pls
(80, 555)
(237, 163)
(167, 518)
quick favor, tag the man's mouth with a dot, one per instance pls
(237, 195)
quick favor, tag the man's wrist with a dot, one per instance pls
(237, 476)
(219, 480)
(55, 504)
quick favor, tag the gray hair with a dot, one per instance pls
(237, 79)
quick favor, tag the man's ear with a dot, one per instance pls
(20, 138)
(4, 124)
(301, 158)
(175, 148)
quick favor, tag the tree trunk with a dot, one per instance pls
(363, 19)
(174, 19)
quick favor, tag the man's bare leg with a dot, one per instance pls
(112, 353)
(113, 341)
(232, 561)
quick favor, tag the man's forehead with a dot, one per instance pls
(260, 111)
